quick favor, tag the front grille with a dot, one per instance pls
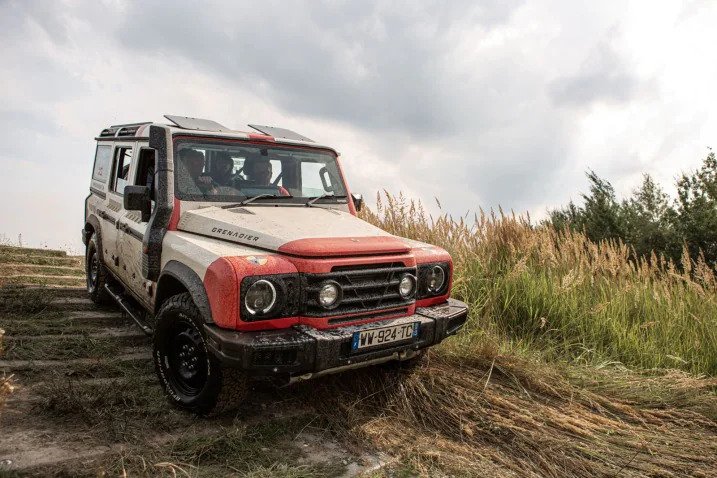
(365, 289)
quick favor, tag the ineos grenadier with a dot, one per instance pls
(242, 255)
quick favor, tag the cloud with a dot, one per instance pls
(604, 76)
(478, 104)
(378, 66)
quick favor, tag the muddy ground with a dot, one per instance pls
(86, 401)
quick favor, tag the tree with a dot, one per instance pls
(601, 213)
(649, 221)
(696, 210)
(599, 218)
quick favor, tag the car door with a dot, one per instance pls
(132, 229)
(114, 210)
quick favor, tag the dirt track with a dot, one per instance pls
(86, 400)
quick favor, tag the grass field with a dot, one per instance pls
(558, 295)
(573, 363)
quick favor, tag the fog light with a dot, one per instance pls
(407, 286)
(436, 279)
(329, 295)
(260, 297)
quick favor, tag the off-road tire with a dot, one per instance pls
(96, 273)
(192, 377)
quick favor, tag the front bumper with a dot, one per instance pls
(306, 351)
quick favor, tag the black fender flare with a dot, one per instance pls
(175, 272)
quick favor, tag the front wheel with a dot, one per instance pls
(191, 376)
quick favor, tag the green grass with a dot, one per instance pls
(24, 301)
(33, 269)
(586, 318)
(56, 323)
(67, 348)
(31, 251)
(537, 291)
(122, 409)
(43, 281)
(43, 260)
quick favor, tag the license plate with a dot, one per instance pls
(386, 335)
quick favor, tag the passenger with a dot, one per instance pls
(193, 162)
(259, 172)
(223, 166)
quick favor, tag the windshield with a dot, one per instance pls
(222, 171)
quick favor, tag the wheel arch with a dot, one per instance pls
(92, 227)
(177, 278)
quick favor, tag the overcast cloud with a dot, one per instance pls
(475, 103)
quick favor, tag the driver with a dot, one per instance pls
(259, 172)
(193, 161)
(223, 166)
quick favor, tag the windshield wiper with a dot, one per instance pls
(254, 198)
(311, 201)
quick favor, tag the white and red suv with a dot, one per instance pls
(243, 256)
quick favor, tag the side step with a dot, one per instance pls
(129, 307)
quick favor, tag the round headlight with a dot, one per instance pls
(329, 295)
(407, 286)
(260, 297)
(436, 279)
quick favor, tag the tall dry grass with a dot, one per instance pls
(559, 295)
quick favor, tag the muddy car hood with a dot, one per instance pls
(299, 231)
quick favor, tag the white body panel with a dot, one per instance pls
(271, 227)
(198, 252)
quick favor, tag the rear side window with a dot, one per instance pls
(123, 160)
(102, 163)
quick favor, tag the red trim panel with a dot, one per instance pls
(222, 282)
(221, 285)
(428, 254)
(176, 213)
(345, 246)
(178, 137)
(321, 266)
(261, 137)
(224, 276)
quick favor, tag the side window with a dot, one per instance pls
(238, 164)
(311, 184)
(276, 171)
(102, 163)
(123, 160)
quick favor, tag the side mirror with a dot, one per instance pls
(358, 201)
(136, 198)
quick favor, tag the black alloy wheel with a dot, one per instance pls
(188, 368)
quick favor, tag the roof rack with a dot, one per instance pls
(186, 122)
(120, 130)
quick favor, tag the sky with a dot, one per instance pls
(478, 104)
